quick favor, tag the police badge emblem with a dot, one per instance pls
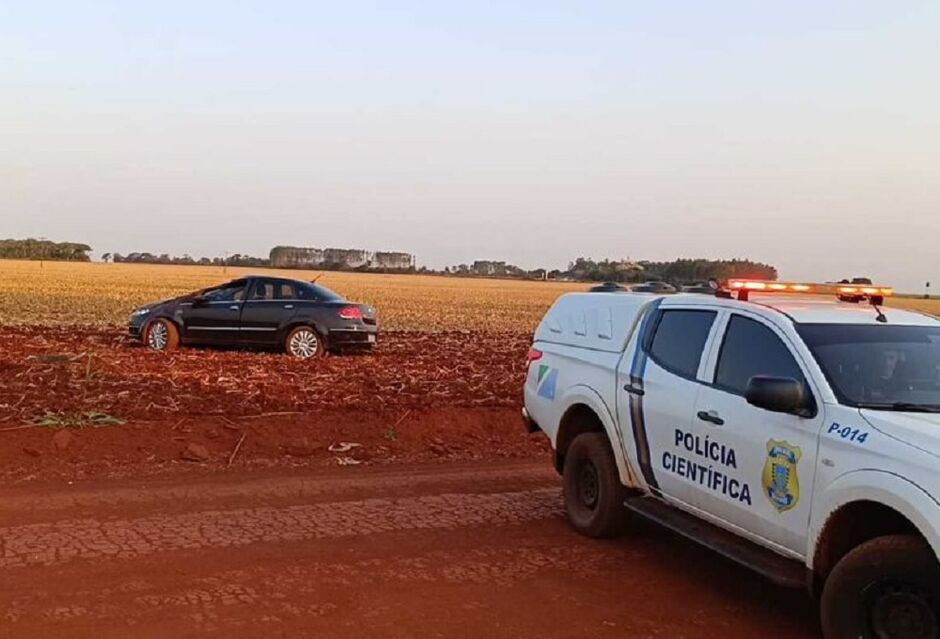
(780, 480)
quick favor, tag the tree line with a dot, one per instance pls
(236, 259)
(41, 249)
(679, 271)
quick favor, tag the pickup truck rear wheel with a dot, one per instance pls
(593, 492)
(886, 588)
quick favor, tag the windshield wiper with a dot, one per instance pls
(908, 407)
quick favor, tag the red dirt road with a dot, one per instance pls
(445, 520)
(416, 551)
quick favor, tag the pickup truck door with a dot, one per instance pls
(657, 390)
(753, 469)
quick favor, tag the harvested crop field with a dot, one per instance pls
(58, 293)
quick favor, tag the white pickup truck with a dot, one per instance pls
(797, 435)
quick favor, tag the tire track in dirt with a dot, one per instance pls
(26, 504)
(418, 551)
(52, 543)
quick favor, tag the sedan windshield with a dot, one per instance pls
(884, 367)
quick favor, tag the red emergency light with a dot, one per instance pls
(846, 292)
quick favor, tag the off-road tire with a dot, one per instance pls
(886, 588)
(294, 349)
(595, 506)
(161, 335)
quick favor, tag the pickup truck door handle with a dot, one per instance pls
(711, 416)
(633, 390)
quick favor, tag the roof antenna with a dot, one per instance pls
(876, 302)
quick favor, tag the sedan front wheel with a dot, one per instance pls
(161, 335)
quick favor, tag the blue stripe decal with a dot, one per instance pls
(637, 418)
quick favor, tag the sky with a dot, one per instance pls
(802, 134)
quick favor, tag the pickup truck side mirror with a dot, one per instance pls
(778, 394)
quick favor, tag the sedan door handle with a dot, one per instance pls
(288, 306)
(711, 416)
(234, 307)
(633, 390)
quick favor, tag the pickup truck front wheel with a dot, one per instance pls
(886, 588)
(593, 492)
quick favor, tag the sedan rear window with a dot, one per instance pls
(315, 292)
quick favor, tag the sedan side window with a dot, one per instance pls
(263, 290)
(679, 340)
(750, 349)
(229, 293)
(286, 291)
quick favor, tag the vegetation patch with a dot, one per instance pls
(88, 419)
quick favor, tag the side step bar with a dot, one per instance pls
(780, 570)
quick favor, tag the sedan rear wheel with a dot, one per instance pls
(305, 343)
(162, 335)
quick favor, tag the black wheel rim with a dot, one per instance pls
(901, 611)
(588, 485)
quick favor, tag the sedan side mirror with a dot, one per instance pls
(199, 300)
(778, 394)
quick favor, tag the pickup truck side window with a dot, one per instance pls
(750, 348)
(679, 340)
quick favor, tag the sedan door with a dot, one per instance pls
(270, 306)
(214, 317)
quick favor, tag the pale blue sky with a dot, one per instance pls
(806, 135)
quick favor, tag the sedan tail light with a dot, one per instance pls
(350, 313)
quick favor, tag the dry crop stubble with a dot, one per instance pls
(56, 293)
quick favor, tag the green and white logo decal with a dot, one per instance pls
(547, 379)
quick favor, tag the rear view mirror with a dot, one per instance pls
(778, 394)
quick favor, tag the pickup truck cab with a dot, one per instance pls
(797, 435)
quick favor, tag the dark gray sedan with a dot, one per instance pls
(303, 319)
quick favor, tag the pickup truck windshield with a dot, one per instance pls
(882, 367)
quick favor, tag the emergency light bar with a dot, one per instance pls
(847, 292)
